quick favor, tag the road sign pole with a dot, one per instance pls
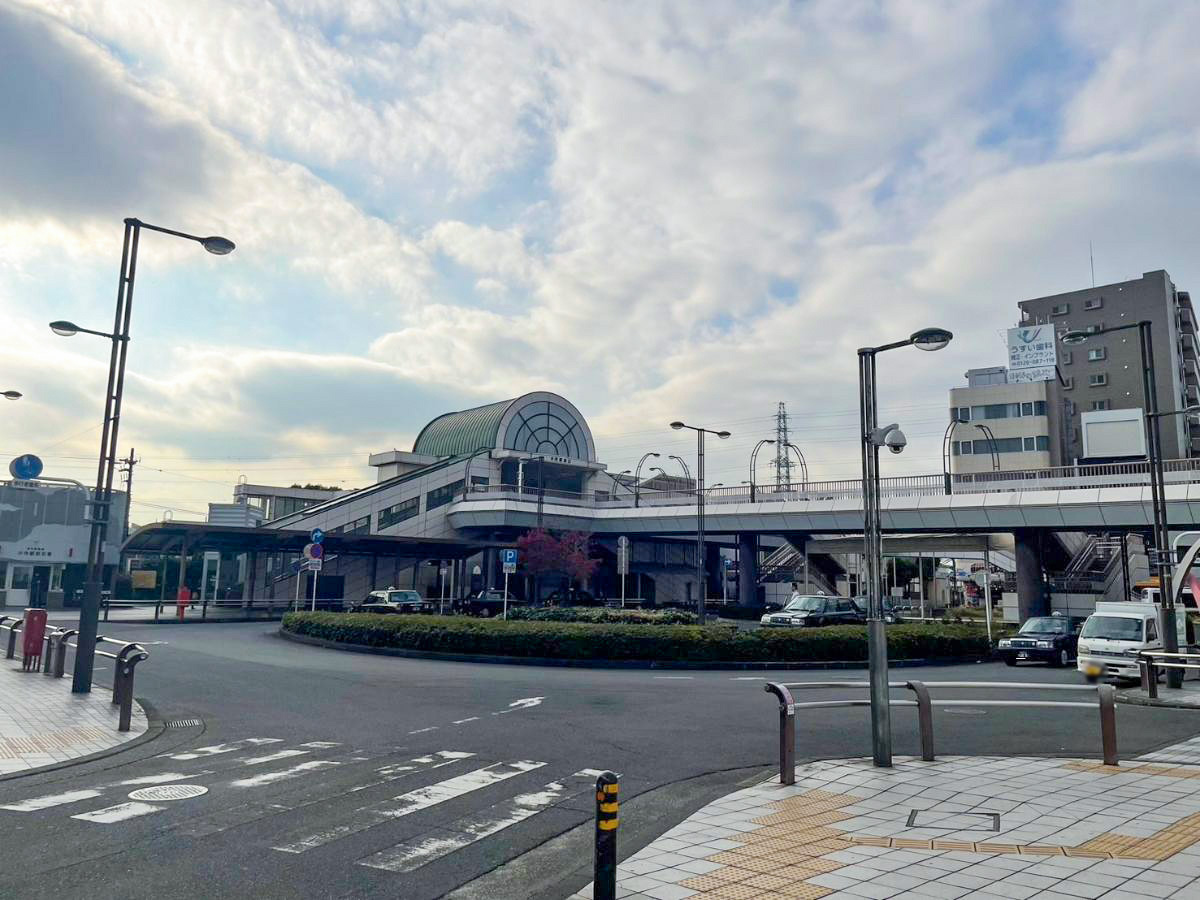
(504, 616)
(314, 590)
(296, 600)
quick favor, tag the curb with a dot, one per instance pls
(614, 663)
(155, 726)
(1138, 700)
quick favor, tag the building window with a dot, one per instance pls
(400, 512)
(1093, 303)
(1068, 383)
(1003, 445)
(1027, 409)
(1061, 309)
(1098, 380)
(1043, 442)
(962, 447)
(1030, 444)
(1097, 353)
(1094, 329)
(961, 414)
(443, 495)
(1101, 404)
(1065, 357)
(358, 526)
(1039, 407)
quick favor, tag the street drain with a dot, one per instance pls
(168, 792)
(184, 723)
(953, 820)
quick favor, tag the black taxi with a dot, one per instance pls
(1046, 639)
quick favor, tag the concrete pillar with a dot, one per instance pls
(713, 572)
(1032, 599)
(747, 570)
(489, 569)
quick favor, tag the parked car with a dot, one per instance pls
(1114, 635)
(572, 597)
(395, 601)
(811, 611)
(890, 614)
(1047, 639)
(487, 603)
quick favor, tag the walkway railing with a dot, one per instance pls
(1109, 475)
(1152, 662)
(124, 654)
(1106, 697)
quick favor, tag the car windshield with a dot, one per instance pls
(1045, 625)
(403, 596)
(806, 604)
(1113, 628)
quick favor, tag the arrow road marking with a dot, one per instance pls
(283, 774)
(411, 802)
(119, 813)
(37, 803)
(525, 703)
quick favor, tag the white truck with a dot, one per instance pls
(1114, 635)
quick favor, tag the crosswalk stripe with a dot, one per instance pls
(272, 757)
(119, 813)
(36, 803)
(217, 749)
(283, 774)
(416, 852)
(411, 802)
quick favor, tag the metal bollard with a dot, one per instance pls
(924, 718)
(1151, 682)
(12, 639)
(787, 732)
(1108, 722)
(604, 869)
(48, 652)
(60, 655)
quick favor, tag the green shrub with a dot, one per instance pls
(603, 616)
(580, 641)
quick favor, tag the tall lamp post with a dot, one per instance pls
(753, 459)
(954, 422)
(89, 613)
(701, 584)
(991, 439)
(687, 473)
(637, 477)
(874, 437)
(803, 464)
(1162, 540)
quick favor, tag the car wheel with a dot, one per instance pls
(1010, 661)
(485, 613)
(1064, 659)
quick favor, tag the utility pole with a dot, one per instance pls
(127, 465)
(783, 462)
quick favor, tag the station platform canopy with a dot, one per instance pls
(198, 537)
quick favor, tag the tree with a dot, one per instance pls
(577, 560)
(542, 553)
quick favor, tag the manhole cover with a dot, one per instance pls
(168, 792)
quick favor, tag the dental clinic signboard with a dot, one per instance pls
(1032, 354)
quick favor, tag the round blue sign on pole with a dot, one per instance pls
(317, 535)
(25, 467)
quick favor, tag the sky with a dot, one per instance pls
(662, 211)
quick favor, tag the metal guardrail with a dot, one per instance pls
(1106, 696)
(1151, 661)
(202, 609)
(125, 658)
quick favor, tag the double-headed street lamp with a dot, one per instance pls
(12, 395)
(1162, 539)
(874, 437)
(637, 476)
(89, 613)
(753, 463)
(701, 583)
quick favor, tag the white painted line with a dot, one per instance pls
(748, 678)
(423, 730)
(119, 813)
(36, 803)
(159, 779)
(523, 703)
(411, 802)
(416, 852)
(675, 677)
(216, 749)
(465, 721)
(320, 745)
(283, 774)
(272, 757)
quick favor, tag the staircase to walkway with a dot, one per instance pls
(786, 563)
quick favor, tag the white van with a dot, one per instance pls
(1114, 635)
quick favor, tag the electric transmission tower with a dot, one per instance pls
(783, 459)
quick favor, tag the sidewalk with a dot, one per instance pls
(976, 827)
(43, 723)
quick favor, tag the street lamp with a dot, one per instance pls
(687, 473)
(617, 480)
(991, 439)
(701, 585)
(637, 477)
(1162, 540)
(753, 458)
(12, 395)
(803, 464)
(954, 422)
(874, 437)
(89, 613)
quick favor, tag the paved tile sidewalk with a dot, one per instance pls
(42, 722)
(974, 827)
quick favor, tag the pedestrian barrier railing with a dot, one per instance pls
(1152, 662)
(124, 654)
(1106, 697)
(167, 610)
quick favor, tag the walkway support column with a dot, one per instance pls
(747, 570)
(1031, 591)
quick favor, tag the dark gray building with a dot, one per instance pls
(1105, 373)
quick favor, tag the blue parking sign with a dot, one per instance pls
(508, 557)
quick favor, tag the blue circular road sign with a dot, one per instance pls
(317, 535)
(25, 467)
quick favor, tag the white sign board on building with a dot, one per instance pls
(1113, 433)
(1032, 354)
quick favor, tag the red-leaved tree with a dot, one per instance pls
(542, 553)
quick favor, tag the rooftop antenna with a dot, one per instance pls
(1092, 260)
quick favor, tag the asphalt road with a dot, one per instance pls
(333, 774)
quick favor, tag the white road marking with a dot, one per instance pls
(411, 802)
(320, 745)
(159, 779)
(465, 721)
(676, 677)
(748, 678)
(283, 774)
(216, 749)
(36, 803)
(523, 703)
(272, 757)
(423, 730)
(416, 852)
(119, 813)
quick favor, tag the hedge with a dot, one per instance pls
(603, 616)
(578, 641)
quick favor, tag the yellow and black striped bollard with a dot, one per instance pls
(604, 873)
